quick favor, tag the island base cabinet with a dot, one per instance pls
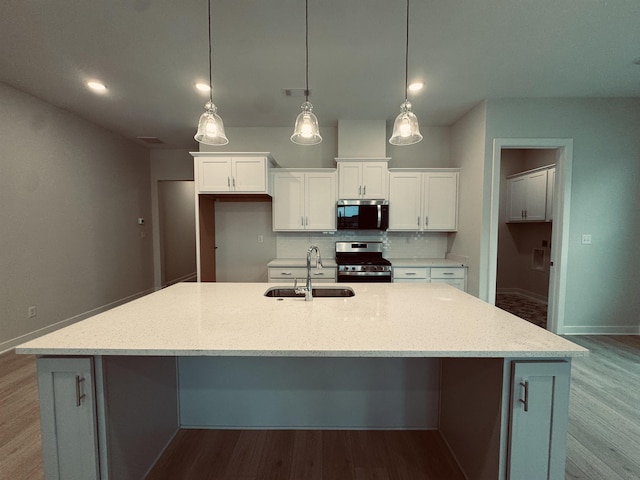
(68, 418)
(538, 425)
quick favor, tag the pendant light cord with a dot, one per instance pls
(209, 23)
(406, 57)
(306, 45)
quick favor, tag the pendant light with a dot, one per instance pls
(305, 131)
(405, 128)
(210, 127)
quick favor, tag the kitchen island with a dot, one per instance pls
(116, 387)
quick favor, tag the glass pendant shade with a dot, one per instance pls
(405, 128)
(306, 131)
(210, 127)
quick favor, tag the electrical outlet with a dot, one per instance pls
(32, 311)
(260, 238)
(586, 239)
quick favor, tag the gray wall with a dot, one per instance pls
(603, 279)
(70, 197)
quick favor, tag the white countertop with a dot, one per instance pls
(395, 262)
(235, 319)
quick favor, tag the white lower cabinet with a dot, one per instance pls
(410, 274)
(283, 274)
(539, 415)
(68, 418)
(455, 276)
(452, 276)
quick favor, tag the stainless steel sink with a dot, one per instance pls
(318, 292)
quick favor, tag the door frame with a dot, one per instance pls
(560, 231)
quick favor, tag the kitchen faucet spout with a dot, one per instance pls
(308, 293)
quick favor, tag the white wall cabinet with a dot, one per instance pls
(538, 425)
(304, 200)
(68, 418)
(232, 172)
(528, 196)
(362, 179)
(423, 201)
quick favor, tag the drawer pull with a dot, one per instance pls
(80, 395)
(525, 385)
(286, 273)
(410, 273)
(447, 273)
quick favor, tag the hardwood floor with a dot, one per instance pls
(603, 438)
(20, 445)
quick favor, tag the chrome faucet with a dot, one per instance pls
(308, 289)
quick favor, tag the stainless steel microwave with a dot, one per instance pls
(363, 214)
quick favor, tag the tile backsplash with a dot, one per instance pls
(396, 244)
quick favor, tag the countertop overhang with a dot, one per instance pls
(236, 319)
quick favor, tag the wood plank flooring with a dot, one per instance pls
(603, 438)
(306, 454)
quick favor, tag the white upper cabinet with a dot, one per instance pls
(304, 200)
(232, 173)
(422, 200)
(530, 196)
(359, 178)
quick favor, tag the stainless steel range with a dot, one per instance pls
(362, 262)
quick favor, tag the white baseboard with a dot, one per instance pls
(601, 330)
(9, 344)
(189, 277)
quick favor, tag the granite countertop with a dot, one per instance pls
(236, 319)
(395, 262)
(301, 262)
(425, 262)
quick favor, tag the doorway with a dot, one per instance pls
(563, 152)
(524, 247)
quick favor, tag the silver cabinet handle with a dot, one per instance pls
(410, 273)
(80, 395)
(233, 181)
(525, 384)
(287, 274)
(418, 221)
(302, 221)
(306, 221)
(318, 274)
(228, 181)
(447, 273)
(360, 190)
(364, 190)
(426, 220)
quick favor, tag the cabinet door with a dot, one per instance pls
(440, 201)
(249, 174)
(215, 174)
(349, 180)
(539, 415)
(288, 201)
(551, 182)
(404, 201)
(68, 418)
(374, 180)
(536, 201)
(516, 194)
(320, 201)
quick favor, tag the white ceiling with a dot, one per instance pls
(151, 52)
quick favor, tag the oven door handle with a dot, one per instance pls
(363, 274)
(379, 225)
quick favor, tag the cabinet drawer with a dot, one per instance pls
(411, 273)
(459, 283)
(447, 273)
(277, 274)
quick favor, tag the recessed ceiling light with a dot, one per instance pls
(416, 86)
(97, 86)
(203, 87)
